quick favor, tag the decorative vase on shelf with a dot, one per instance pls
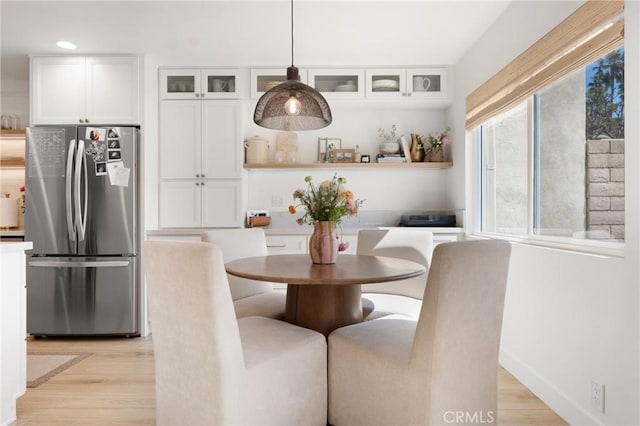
(417, 148)
(323, 243)
(435, 154)
(389, 147)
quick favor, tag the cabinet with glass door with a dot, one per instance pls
(411, 83)
(194, 83)
(336, 83)
(263, 79)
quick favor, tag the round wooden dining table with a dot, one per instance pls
(324, 297)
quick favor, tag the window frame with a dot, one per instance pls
(581, 245)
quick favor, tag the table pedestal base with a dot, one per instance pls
(323, 307)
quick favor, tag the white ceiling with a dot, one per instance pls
(246, 33)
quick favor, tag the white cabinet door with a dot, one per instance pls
(221, 204)
(57, 90)
(180, 139)
(221, 141)
(180, 83)
(338, 83)
(286, 244)
(263, 79)
(180, 204)
(390, 83)
(220, 83)
(85, 90)
(112, 90)
(428, 83)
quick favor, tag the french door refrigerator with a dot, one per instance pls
(81, 213)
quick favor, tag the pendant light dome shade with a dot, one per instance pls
(291, 106)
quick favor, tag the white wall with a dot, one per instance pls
(569, 318)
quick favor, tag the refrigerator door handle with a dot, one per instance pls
(71, 229)
(79, 264)
(81, 169)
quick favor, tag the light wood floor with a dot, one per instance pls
(115, 386)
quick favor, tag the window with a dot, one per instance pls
(553, 165)
(550, 126)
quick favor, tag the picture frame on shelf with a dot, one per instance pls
(365, 158)
(325, 146)
(343, 155)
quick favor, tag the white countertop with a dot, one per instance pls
(298, 230)
(7, 247)
(11, 232)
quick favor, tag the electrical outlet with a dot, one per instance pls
(277, 201)
(597, 396)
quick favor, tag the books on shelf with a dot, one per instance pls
(390, 158)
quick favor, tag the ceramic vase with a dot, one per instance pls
(435, 154)
(323, 243)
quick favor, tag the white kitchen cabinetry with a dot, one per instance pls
(411, 83)
(200, 139)
(13, 328)
(200, 164)
(195, 83)
(85, 90)
(286, 244)
(207, 203)
(263, 79)
(338, 83)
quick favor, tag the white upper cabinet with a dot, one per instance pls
(338, 83)
(263, 79)
(418, 83)
(200, 139)
(180, 139)
(195, 83)
(85, 90)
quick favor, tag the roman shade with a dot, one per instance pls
(593, 30)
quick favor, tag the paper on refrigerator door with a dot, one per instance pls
(118, 173)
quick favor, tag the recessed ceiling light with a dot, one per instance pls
(66, 45)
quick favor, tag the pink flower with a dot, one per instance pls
(298, 193)
(445, 139)
(343, 246)
(351, 205)
(299, 221)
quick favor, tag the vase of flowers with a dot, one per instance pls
(434, 151)
(389, 144)
(325, 206)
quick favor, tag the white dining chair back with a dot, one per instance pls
(404, 243)
(211, 369)
(401, 372)
(235, 244)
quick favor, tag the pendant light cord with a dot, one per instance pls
(291, 32)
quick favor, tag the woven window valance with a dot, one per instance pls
(596, 28)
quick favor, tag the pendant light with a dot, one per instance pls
(292, 105)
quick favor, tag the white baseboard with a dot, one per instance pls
(563, 405)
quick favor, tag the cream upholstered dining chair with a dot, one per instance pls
(212, 368)
(398, 297)
(400, 372)
(250, 297)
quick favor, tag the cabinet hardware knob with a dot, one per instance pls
(86, 120)
(197, 95)
(202, 95)
(410, 93)
(197, 175)
(202, 175)
(202, 183)
(197, 183)
(81, 120)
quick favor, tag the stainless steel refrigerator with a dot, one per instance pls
(81, 213)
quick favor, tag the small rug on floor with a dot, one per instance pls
(43, 366)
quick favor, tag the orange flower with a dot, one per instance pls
(348, 194)
(292, 210)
